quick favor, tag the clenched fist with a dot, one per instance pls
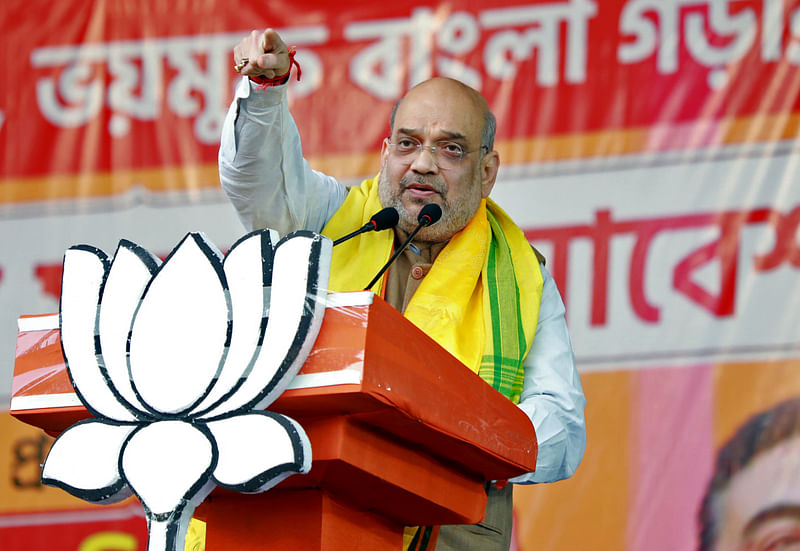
(262, 53)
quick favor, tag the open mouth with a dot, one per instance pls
(420, 190)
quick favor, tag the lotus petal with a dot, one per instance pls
(248, 271)
(84, 270)
(181, 329)
(258, 450)
(297, 306)
(84, 461)
(168, 464)
(131, 271)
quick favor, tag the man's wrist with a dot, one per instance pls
(262, 81)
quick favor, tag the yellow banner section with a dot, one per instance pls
(23, 449)
(597, 507)
(187, 178)
(587, 511)
(743, 389)
(757, 129)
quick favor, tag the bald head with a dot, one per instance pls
(451, 88)
(439, 115)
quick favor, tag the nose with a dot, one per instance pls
(425, 161)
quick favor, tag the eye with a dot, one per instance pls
(784, 543)
(451, 149)
(406, 145)
(776, 535)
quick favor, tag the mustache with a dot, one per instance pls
(419, 179)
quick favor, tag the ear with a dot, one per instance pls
(489, 165)
(384, 150)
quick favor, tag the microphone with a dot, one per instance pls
(381, 220)
(429, 214)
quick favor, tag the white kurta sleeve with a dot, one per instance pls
(262, 169)
(552, 394)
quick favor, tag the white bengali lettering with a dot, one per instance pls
(74, 92)
(378, 68)
(507, 48)
(458, 36)
(661, 36)
(634, 21)
(771, 30)
(793, 50)
(404, 51)
(741, 27)
(74, 96)
(134, 66)
(193, 81)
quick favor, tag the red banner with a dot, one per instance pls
(114, 530)
(137, 87)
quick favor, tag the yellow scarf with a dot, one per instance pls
(473, 302)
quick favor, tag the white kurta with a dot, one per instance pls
(270, 184)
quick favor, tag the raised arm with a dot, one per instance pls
(261, 164)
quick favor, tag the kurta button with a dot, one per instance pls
(417, 272)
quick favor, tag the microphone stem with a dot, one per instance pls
(394, 256)
(353, 234)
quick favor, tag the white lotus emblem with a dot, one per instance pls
(176, 362)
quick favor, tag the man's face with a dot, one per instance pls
(760, 510)
(433, 114)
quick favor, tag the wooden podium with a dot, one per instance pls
(402, 434)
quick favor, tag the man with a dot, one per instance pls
(753, 499)
(471, 280)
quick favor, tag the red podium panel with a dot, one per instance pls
(402, 433)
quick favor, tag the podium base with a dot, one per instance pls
(288, 520)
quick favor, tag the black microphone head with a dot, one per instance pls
(429, 214)
(385, 219)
